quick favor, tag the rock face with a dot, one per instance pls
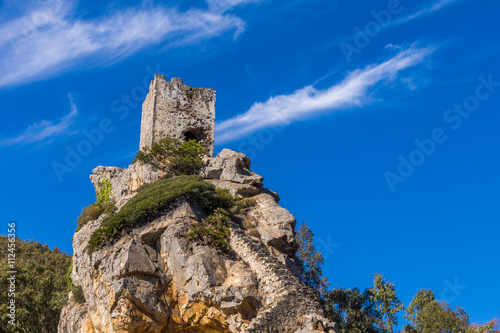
(153, 280)
(178, 110)
(125, 182)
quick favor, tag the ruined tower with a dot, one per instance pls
(175, 109)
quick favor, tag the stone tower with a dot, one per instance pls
(180, 111)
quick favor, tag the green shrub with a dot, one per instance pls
(69, 280)
(242, 204)
(215, 230)
(170, 155)
(153, 199)
(77, 290)
(190, 94)
(104, 193)
(89, 213)
(93, 211)
(78, 295)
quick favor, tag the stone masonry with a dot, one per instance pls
(180, 111)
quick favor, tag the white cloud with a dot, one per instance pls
(44, 130)
(49, 38)
(224, 5)
(308, 102)
(433, 7)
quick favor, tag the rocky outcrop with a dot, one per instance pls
(125, 182)
(152, 279)
(232, 167)
(75, 318)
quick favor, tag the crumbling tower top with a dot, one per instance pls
(180, 111)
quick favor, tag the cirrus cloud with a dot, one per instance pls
(308, 101)
(50, 37)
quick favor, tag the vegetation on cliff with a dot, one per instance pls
(40, 283)
(153, 199)
(103, 205)
(215, 230)
(173, 156)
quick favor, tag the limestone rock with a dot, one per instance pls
(125, 182)
(232, 166)
(236, 189)
(74, 318)
(152, 279)
(274, 224)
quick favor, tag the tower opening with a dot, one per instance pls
(190, 136)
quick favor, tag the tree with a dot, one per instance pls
(440, 317)
(41, 287)
(311, 260)
(373, 311)
(353, 311)
(427, 315)
(172, 156)
(489, 327)
(383, 294)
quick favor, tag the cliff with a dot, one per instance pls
(152, 278)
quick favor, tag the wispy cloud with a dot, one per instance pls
(308, 102)
(44, 130)
(426, 10)
(224, 5)
(50, 38)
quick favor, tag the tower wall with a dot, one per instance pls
(175, 109)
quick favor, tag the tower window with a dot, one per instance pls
(190, 136)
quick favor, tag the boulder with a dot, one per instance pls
(231, 166)
(274, 224)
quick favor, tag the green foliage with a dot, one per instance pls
(352, 310)
(383, 295)
(311, 260)
(41, 287)
(214, 231)
(78, 295)
(373, 311)
(69, 280)
(489, 327)
(104, 193)
(77, 290)
(427, 315)
(153, 199)
(93, 211)
(170, 155)
(190, 94)
(241, 204)
(419, 301)
(437, 316)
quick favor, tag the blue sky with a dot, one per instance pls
(376, 121)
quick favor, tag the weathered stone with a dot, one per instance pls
(74, 318)
(177, 110)
(125, 182)
(232, 166)
(274, 224)
(153, 279)
(235, 189)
